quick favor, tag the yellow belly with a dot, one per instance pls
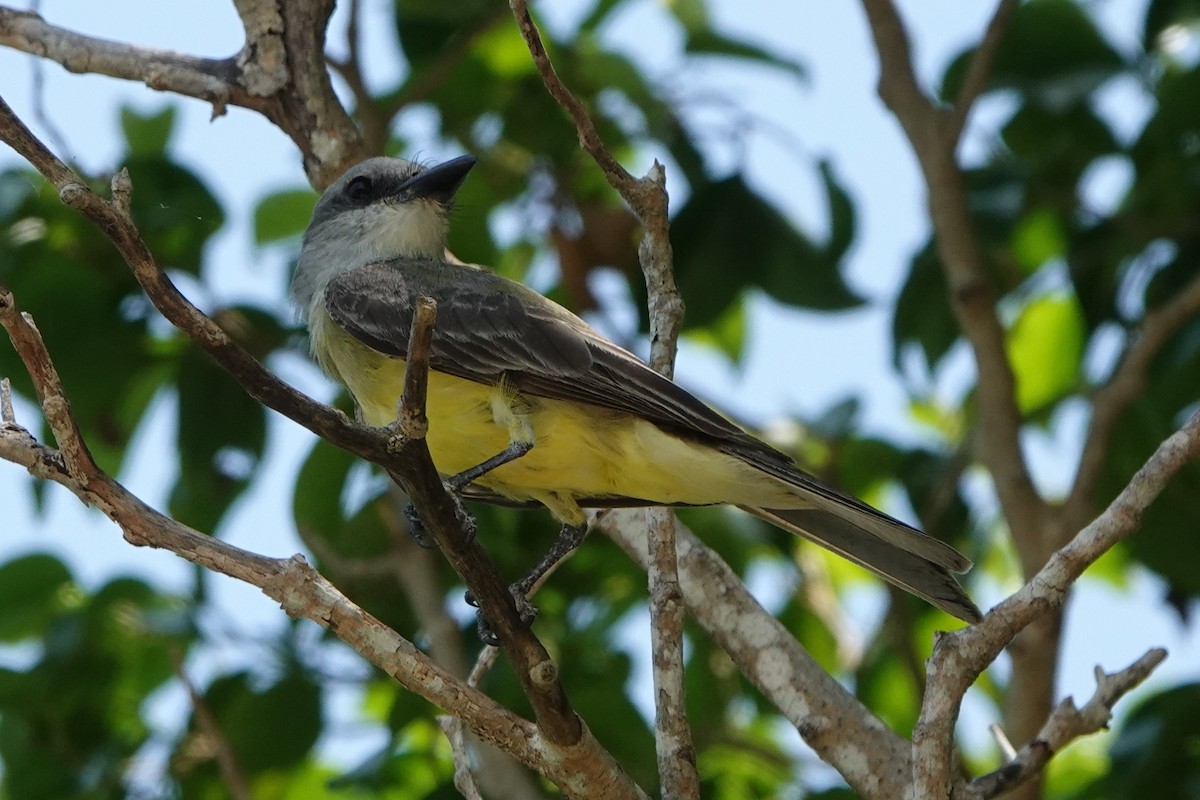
(579, 450)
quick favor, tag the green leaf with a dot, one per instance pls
(270, 729)
(1045, 346)
(221, 435)
(728, 238)
(147, 134)
(922, 314)
(726, 334)
(1157, 751)
(175, 211)
(1053, 53)
(712, 43)
(283, 214)
(31, 590)
(1039, 238)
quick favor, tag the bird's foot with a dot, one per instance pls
(421, 535)
(526, 611)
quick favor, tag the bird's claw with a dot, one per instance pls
(526, 611)
(421, 535)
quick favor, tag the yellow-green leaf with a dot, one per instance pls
(1045, 346)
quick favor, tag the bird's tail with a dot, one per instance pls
(905, 557)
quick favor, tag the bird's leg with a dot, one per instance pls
(455, 484)
(515, 449)
(569, 538)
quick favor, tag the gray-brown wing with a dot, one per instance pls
(490, 328)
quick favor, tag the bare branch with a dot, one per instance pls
(301, 591)
(207, 79)
(411, 422)
(843, 732)
(464, 780)
(280, 72)
(979, 71)
(7, 415)
(647, 197)
(567, 753)
(1066, 724)
(959, 657)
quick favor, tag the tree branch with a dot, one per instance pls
(933, 135)
(231, 772)
(843, 732)
(301, 591)
(572, 756)
(958, 658)
(1066, 724)
(279, 72)
(647, 197)
(979, 70)
(1125, 385)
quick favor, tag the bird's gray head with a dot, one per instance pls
(380, 209)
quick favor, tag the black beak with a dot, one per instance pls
(441, 182)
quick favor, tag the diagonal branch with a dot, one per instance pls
(567, 750)
(1125, 385)
(979, 70)
(959, 658)
(1066, 724)
(279, 72)
(302, 592)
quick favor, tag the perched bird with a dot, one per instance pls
(529, 404)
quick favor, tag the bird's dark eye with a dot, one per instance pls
(359, 189)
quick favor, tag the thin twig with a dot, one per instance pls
(464, 779)
(411, 422)
(843, 732)
(979, 71)
(647, 197)
(1066, 724)
(7, 415)
(232, 774)
(1125, 385)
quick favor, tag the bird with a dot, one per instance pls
(527, 404)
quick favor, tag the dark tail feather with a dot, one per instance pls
(887, 559)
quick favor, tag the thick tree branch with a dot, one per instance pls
(647, 197)
(933, 135)
(1066, 724)
(280, 72)
(565, 745)
(958, 658)
(831, 720)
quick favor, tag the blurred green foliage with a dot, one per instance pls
(86, 666)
